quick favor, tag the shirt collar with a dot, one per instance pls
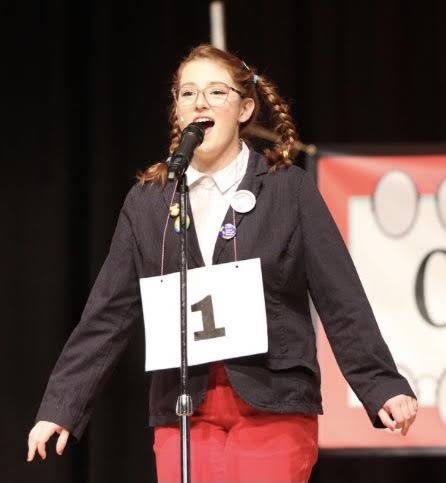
(224, 178)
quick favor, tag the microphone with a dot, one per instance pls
(191, 137)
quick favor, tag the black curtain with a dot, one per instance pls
(84, 106)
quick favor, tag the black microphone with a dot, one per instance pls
(191, 137)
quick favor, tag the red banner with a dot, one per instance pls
(391, 211)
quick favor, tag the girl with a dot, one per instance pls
(256, 416)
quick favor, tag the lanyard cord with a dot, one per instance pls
(235, 236)
(165, 228)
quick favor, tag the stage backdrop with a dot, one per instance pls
(391, 211)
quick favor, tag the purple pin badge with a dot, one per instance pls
(228, 231)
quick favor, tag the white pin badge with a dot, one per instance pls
(243, 201)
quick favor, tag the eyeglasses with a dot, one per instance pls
(215, 94)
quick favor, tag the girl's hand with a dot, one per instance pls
(41, 433)
(399, 412)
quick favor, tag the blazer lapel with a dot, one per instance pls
(252, 181)
(192, 239)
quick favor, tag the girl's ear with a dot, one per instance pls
(246, 109)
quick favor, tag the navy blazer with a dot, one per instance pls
(301, 250)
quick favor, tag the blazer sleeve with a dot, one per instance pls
(343, 307)
(100, 337)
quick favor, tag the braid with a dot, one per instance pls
(278, 156)
(175, 134)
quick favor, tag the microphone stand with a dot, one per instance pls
(191, 137)
(184, 408)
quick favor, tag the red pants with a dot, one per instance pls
(233, 442)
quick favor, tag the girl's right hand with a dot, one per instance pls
(41, 433)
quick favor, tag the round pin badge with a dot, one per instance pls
(176, 224)
(174, 210)
(243, 201)
(228, 231)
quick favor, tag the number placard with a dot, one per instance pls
(226, 314)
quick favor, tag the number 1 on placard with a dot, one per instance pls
(207, 316)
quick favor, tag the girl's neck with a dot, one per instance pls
(208, 164)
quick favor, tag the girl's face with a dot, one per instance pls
(221, 141)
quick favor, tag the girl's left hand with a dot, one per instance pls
(399, 412)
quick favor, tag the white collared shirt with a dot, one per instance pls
(210, 197)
